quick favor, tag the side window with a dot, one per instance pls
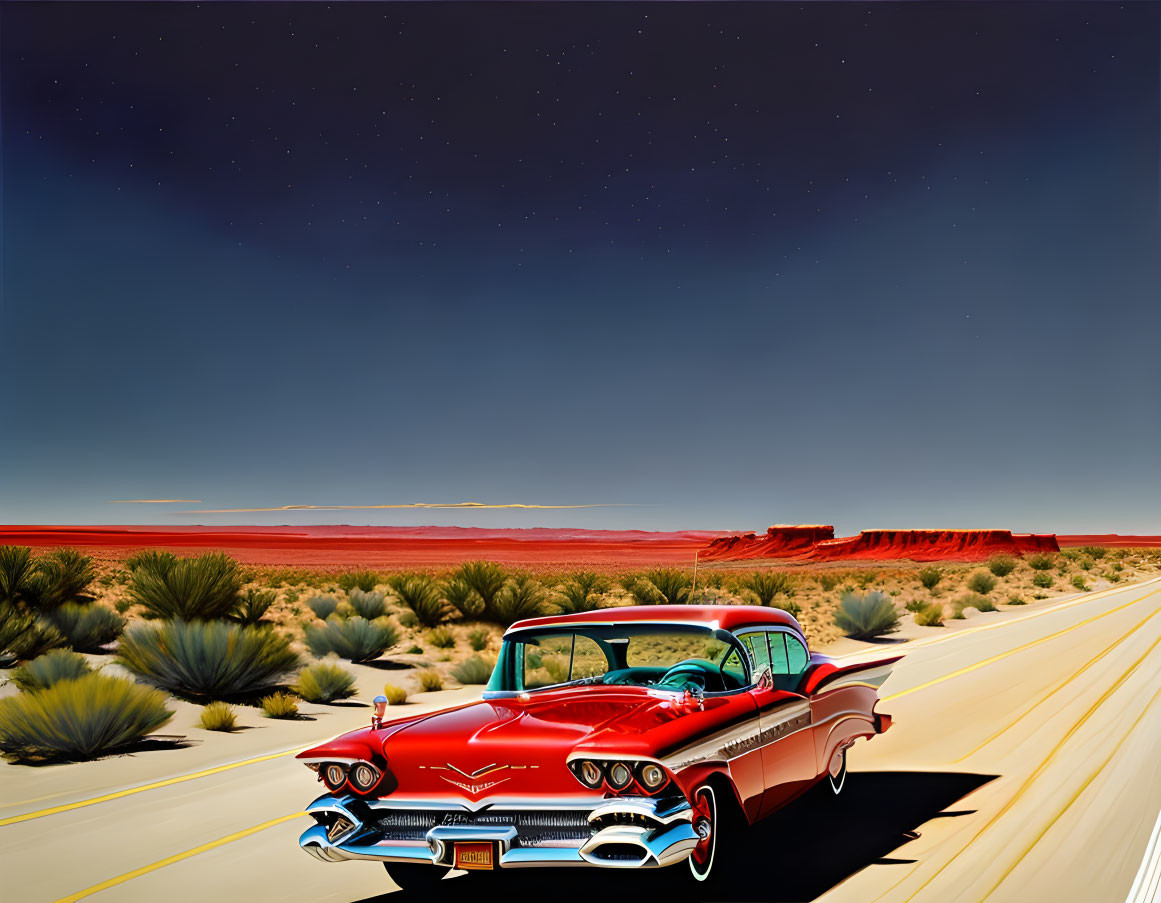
(778, 659)
(796, 655)
(755, 644)
(789, 658)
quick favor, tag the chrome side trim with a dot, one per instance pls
(740, 739)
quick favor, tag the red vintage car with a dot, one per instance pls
(622, 737)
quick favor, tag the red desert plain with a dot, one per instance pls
(338, 545)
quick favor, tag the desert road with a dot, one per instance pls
(1023, 764)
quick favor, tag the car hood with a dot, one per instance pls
(520, 745)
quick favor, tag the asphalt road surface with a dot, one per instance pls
(1024, 764)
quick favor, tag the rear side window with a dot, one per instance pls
(789, 659)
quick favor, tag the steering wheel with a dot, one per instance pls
(691, 671)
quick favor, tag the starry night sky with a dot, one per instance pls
(732, 264)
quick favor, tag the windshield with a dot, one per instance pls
(667, 656)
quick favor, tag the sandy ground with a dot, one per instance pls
(1021, 766)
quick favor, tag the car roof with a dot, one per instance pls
(727, 617)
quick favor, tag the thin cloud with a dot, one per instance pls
(156, 502)
(441, 505)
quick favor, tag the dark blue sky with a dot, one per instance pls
(887, 265)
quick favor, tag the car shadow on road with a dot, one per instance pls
(798, 854)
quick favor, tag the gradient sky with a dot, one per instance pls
(730, 265)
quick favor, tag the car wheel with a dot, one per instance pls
(837, 775)
(411, 876)
(706, 824)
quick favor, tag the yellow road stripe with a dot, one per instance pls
(1044, 763)
(1060, 685)
(80, 804)
(1075, 796)
(161, 863)
(1003, 655)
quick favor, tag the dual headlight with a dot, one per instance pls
(618, 775)
(362, 776)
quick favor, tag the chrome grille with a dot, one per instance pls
(534, 828)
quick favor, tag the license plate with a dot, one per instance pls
(474, 855)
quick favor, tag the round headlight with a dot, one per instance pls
(334, 775)
(364, 776)
(589, 774)
(620, 776)
(652, 776)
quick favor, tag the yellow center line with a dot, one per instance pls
(161, 863)
(1076, 795)
(1045, 761)
(1060, 686)
(168, 782)
(1003, 655)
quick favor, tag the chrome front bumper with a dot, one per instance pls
(630, 832)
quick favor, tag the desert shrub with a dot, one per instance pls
(765, 585)
(460, 595)
(152, 559)
(364, 580)
(51, 668)
(930, 577)
(86, 627)
(322, 606)
(253, 605)
(424, 597)
(915, 605)
(79, 719)
(485, 580)
(642, 591)
(478, 639)
(60, 576)
(1040, 561)
(395, 695)
(930, 615)
(207, 659)
(1095, 551)
(355, 639)
(522, 597)
(280, 705)
(864, 579)
(366, 604)
(187, 589)
(1085, 563)
(429, 681)
(1114, 577)
(975, 600)
(862, 617)
(791, 608)
(1002, 565)
(441, 638)
(671, 584)
(218, 716)
(408, 619)
(1070, 554)
(473, 670)
(1078, 582)
(17, 573)
(1042, 579)
(24, 636)
(828, 581)
(414, 650)
(981, 582)
(1016, 600)
(324, 682)
(582, 591)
